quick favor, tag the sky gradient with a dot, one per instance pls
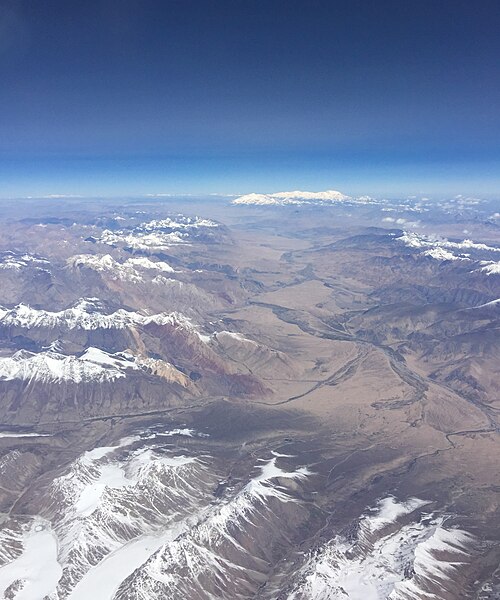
(131, 97)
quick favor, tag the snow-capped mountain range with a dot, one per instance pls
(295, 197)
(87, 314)
(159, 234)
(49, 366)
(132, 269)
(94, 364)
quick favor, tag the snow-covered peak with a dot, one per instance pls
(146, 263)
(112, 475)
(105, 263)
(93, 365)
(443, 249)
(295, 197)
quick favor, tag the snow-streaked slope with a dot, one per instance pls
(11, 532)
(253, 356)
(491, 304)
(437, 560)
(105, 263)
(220, 553)
(295, 197)
(102, 582)
(118, 504)
(399, 553)
(140, 519)
(235, 336)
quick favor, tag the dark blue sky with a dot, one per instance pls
(126, 96)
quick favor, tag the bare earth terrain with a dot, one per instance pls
(291, 400)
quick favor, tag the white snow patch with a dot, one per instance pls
(110, 476)
(37, 567)
(236, 336)
(186, 432)
(390, 510)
